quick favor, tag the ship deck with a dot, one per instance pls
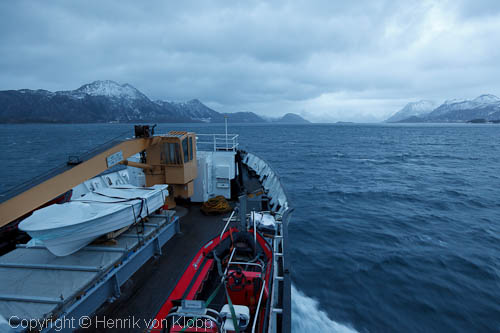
(148, 288)
(35, 284)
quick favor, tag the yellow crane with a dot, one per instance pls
(170, 159)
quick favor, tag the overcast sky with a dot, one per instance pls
(327, 60)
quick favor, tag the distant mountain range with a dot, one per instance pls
(483, 108)
(413, 109)
(108, 101)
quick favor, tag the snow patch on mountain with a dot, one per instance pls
(106, 101)
(486, 99)
(485, 107)
(454, 101)
(110, 88)
(456, 105)
(413, 109)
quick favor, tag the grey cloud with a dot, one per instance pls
(478, 9)
(334, 60)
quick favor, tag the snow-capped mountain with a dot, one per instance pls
(109, 88)
(104, 101)
(484, 107)
(198, 111)
(413, 109)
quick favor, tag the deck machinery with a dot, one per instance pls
(196, 168)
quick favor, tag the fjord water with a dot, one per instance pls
(396, 227)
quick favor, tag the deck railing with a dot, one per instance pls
(217, 142)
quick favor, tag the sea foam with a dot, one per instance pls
(308, 317)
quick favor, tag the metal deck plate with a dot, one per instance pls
(35, 283)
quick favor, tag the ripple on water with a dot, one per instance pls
(395, 229)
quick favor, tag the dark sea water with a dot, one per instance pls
(396, 227)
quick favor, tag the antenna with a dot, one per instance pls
(225, 120)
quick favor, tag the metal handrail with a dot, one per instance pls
(229, 263)
(225, 227)
(248, 263)
(276, 243)
(227, 142)
(254, 228)
(217, 134)
(258, 307)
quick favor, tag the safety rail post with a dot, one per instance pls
(228, 221)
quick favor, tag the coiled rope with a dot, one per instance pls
(216, 206)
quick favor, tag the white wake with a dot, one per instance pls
(308, 317)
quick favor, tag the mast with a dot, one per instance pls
(225, 120)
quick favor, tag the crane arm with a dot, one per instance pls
(44, 192)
